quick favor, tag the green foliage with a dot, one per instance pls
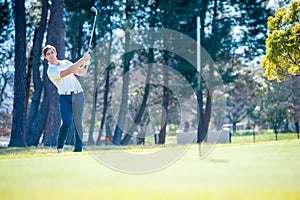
(5, 19)
(250, 19)
(283, 43)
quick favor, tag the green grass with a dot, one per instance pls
(269, 170)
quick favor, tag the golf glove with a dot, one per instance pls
(87, 63)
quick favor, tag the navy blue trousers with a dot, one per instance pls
(71, 109)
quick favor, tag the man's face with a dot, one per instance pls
(51, 55)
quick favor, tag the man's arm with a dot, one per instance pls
(75, 68)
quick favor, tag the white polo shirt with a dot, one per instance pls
(66, 84)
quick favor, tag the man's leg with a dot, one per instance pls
(65, 105)
(78, 105)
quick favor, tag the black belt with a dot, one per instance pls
(71, 92)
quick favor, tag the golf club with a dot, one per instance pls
(93, 29)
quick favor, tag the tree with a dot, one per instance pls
(250, 27)
(275, 106)
(55, 37)
(217, 20)
(283, 52)
(284, 98)
(140, 112)
(36, 119)
(241, 96)
(175, 15)
(139, 117)
(19, 111)
(106, 91)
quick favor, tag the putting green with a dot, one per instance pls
(253, 171)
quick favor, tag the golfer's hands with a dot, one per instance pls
(87, 56)
(77, 68)
(86, 62)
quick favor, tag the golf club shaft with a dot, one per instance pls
(93, 29)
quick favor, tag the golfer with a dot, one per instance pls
(71, 98)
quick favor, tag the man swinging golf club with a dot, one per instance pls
(71, 98)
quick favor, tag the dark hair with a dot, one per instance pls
(46, 48)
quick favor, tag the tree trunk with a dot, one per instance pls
(166, 93)
(94, 104)
(200, 134)
(297, 128)
(40, 119)
(55, 37)
(207, 114)
(33, 137)
(105, 104)
(234, 127)
(19, 107)
(140, 112)
(93, 116)
(164, 117)
(124, 103)
(29, 70)
(276, 127)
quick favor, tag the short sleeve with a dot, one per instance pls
(69, 63)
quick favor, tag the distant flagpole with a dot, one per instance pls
(199, 135)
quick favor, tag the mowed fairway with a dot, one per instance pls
(252, 171)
